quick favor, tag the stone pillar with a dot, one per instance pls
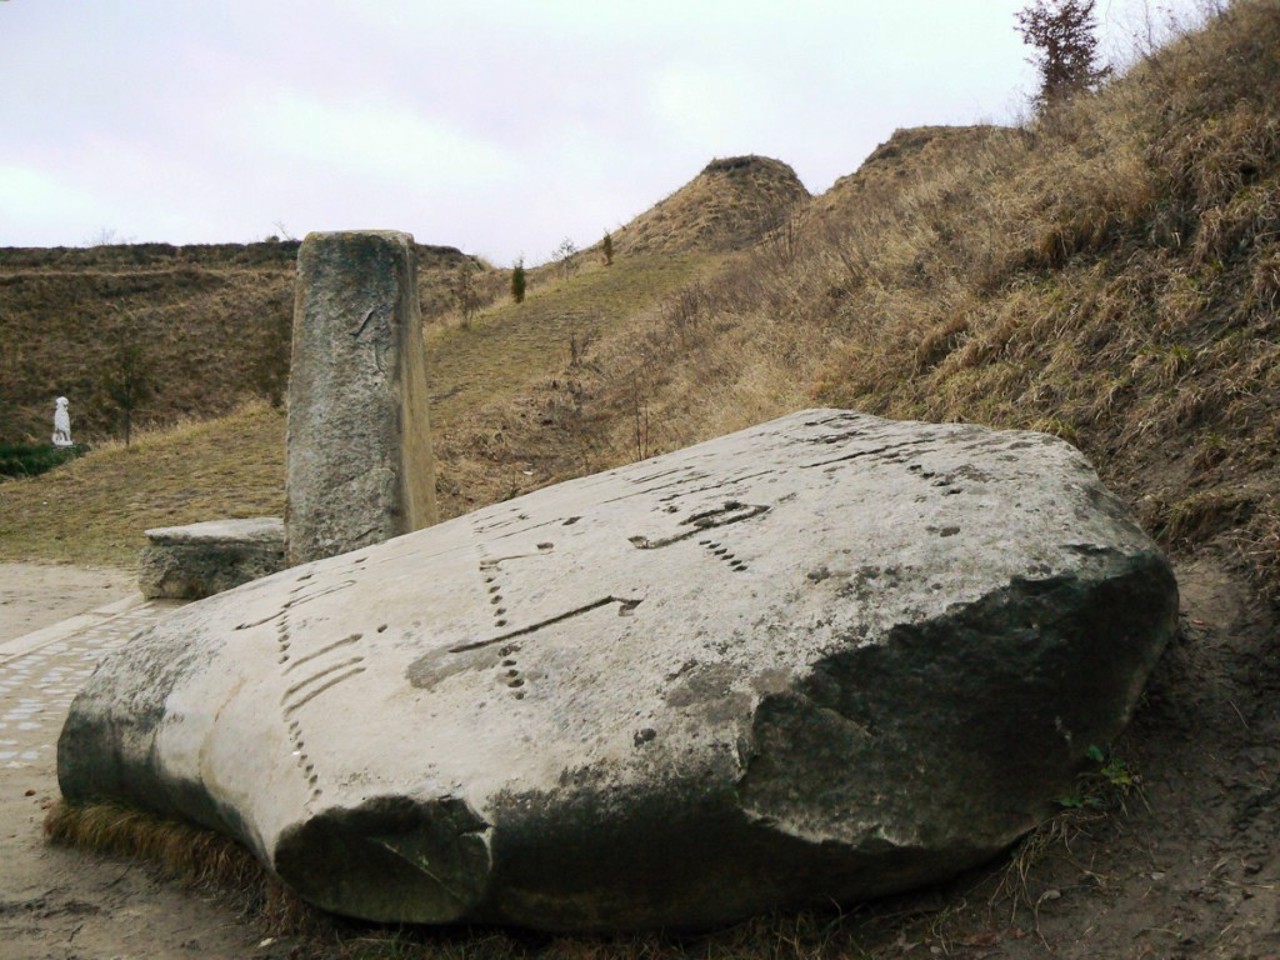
(359, 465)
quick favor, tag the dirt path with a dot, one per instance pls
(33, 595)
(1192, 871)
(57, 904)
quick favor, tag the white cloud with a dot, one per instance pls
(372, 139)
(720, 108)
(495, 125)
(36, 208)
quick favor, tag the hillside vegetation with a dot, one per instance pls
(1109, 274)
(93, 510)
(728, 206)
(211, 324)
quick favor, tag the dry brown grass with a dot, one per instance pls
(94, 510)
(213, 323)
(1109, 274)
(202, 330)
(726, 207)
(494, 378)
(494, 437)
(193, 856)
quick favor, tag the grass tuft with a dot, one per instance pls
(193, 856)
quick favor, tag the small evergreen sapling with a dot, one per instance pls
(1064, 35)
(518, 281)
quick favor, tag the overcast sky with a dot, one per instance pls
(497, 126)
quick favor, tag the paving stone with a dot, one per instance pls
(37, 686)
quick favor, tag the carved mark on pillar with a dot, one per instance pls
(380, 336)
(355, 334)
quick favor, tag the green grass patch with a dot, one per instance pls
(33, 459)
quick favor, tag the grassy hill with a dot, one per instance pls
(729, 205)
(210, 322)
(1108, 274)
(93, 510)
(213, 324)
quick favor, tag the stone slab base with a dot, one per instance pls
(199, 560)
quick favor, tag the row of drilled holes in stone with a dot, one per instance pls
(719, 550)
(508, 667)
(309, 771)
(295, 727)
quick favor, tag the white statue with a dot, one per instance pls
(62, 425)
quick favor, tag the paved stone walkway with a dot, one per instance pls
(41, 672)
(57, 903)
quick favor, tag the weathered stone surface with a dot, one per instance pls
(201, 559)
(359, 465)
(822, 659)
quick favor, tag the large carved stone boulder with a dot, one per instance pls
(827, 658)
